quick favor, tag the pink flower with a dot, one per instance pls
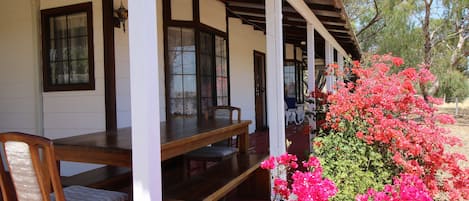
(407, 187)
(268, 164)
(306, 186)
(286, 159)
(312, 162)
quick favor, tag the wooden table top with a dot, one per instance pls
(173, 133)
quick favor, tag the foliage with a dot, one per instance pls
(317, 100)
(383, 110)
(399, 30)
(407, 187)
(352, 164)
(304, 185)
(453, 84)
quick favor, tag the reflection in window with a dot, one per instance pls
(222, 71)
(289, 75)
(182, 72)
(198, 76)
(67, 51)
(206, 71)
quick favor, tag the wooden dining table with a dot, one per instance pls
(177, 137)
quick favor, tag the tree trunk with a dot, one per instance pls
(427, 60)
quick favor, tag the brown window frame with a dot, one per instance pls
(46, 41)
(198, 28)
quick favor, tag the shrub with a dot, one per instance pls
(302, 185)
(381, 114)
(407, 187)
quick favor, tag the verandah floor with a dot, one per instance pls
(259, 142)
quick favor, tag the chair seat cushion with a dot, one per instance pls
(81, 193)
(212, 152)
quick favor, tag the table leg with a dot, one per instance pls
(244, 141)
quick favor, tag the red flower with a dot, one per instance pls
(397, 61)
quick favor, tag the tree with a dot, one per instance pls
(433, 33)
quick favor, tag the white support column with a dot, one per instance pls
(275, 86)
(311, 77)
(274, 71)
(340, 62)
(146, 157)
(329, 58)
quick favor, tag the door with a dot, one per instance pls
(260, 95)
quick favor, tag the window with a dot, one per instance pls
(222, 71)
(290, 76)
(67, 41)
(182, 72)
(190, 66)
(293, 75)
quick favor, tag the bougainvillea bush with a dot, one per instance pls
(291, 183)
(407, 187)
(379, 127)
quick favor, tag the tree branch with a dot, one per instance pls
(375, 19)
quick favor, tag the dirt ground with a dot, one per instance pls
(461, 128)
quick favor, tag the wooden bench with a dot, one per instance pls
(217, 181)
(107, 177)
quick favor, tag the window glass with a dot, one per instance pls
(197, 76)
(206, 70)
(67, 54)
(182, 72)
(221, 71)
(289, 73)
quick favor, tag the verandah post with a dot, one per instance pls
(146, 157)
(311, 78)
(274, 72)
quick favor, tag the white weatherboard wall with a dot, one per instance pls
(121, 54)
(213, 13)
(181, 10)
(243, 40)
(78, 112)
(20, 101)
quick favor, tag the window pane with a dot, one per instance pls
(190, 86)
(206, 44)
(188, 63)
(206, 103)
(190, 106)
(59, 72)
(58, 50)
(77, 24)
(174, 38)
(206, 86)
(175, 62)
(79, 72)
(79, 48)
(58, 27)
(176, 106)
(220, 46)
(221, 66)
(290, 79)
(222, 100)
(175, 87)
(206, 65)
(188, 39)
(222, 87)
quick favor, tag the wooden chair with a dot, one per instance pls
(218, 151)
(34, 172)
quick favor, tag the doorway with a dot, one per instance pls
(259, 91)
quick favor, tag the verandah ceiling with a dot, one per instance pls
(330, 12)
